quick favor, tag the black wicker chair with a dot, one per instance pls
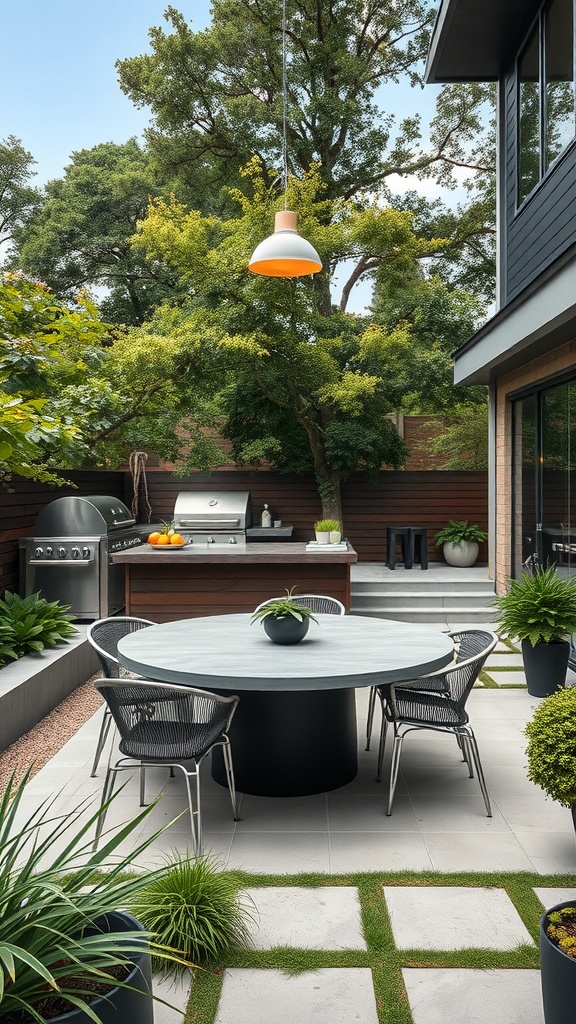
(166, 724)
(465, 646)
(437, 702)
(103, 635)
(315, 602)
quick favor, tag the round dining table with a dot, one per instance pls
(294, 732)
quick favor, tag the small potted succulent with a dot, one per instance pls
(540, 611)
(459, 541)
(558, 962)
(284, 620)
(328, 531)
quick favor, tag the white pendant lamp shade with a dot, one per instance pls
(285, 253)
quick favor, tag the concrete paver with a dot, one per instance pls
(454, 917)
(325, 996)
(449, 996)
(313, 918)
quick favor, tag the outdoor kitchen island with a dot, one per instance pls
(165, 585)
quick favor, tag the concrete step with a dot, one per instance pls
(433, 613)
(421, 584)
(390, 599)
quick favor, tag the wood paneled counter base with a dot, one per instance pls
(180, 584)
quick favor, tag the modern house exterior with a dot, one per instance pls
(526, 353)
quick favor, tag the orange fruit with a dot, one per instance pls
(176, 538)
(153, 538)
(163, 539)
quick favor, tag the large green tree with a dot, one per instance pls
(216, 101)
(79, 235)
(18, 199)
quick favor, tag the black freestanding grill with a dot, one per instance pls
(69, 558)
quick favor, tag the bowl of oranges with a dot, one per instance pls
(167, 539)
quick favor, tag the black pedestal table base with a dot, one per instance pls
(291, 743)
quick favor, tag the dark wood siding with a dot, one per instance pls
(545, 226)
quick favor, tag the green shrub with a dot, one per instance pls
(327, 526)
(540, 608)
(30, 624)
(194, 908)
(551, 749)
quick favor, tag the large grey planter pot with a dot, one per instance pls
(121, 1005)
(545, 667)
(558, 975)
(461, 555)
(285, 629)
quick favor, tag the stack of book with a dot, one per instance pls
(313, 545)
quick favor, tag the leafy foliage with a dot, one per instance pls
(193, 907)
(30, 624)
(551, 746)
(280, 607)
(18, 199)
(48, 905)
(463, 442)
(459, 531)
(540, 608)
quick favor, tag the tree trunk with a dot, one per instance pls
(330, 491)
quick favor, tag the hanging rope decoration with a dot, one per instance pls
(137, 465)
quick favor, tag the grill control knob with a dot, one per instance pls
(38, 553)
(210, 540)
(232, 540)
(75, 552)
(85, 552)
(49, 551)
(61, 552)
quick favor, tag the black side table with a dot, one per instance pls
(393, 534)
(418, 535)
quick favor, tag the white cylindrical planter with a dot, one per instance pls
(322, 537)
(335, 536)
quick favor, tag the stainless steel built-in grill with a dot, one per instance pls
(213, 517)
(69, 558)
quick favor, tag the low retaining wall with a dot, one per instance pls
(34, 685)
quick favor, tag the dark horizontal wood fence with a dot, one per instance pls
(408, 498)
(426, 499)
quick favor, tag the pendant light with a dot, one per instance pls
(285, 253)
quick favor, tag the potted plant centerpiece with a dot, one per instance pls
(540, 611)
(327, 531)
(285, 621)
(459, 541)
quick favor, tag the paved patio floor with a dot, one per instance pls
(438, 824)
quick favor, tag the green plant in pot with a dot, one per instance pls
(285, 620)
(459, 541)
(68, 951)
(540, 611)
(551, 753)
(328, 531)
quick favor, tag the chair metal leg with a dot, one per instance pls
(394, 768)
(227, 752)
(107, 789)
(142, 786)
(369, 723)
(479, 771)
(381, 746)
(102, 737)
(464, 745)
(195, 827)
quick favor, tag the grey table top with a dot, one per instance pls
(228, 652)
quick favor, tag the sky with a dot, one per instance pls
(59, 91)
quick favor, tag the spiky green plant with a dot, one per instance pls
(327, 526)
(539, 607)
(196, 908)
(551, 749)
(51, 902)
(30, 624)
(282, 606)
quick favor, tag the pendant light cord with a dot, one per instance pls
(284, 107)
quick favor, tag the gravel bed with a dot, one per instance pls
(35, 748)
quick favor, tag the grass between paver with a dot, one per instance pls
(382, 957)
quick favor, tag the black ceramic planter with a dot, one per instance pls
(558, 975)
(545, 666)
(121, 1005)
(285, 629)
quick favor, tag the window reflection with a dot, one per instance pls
(529, 118)
(559, 59)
